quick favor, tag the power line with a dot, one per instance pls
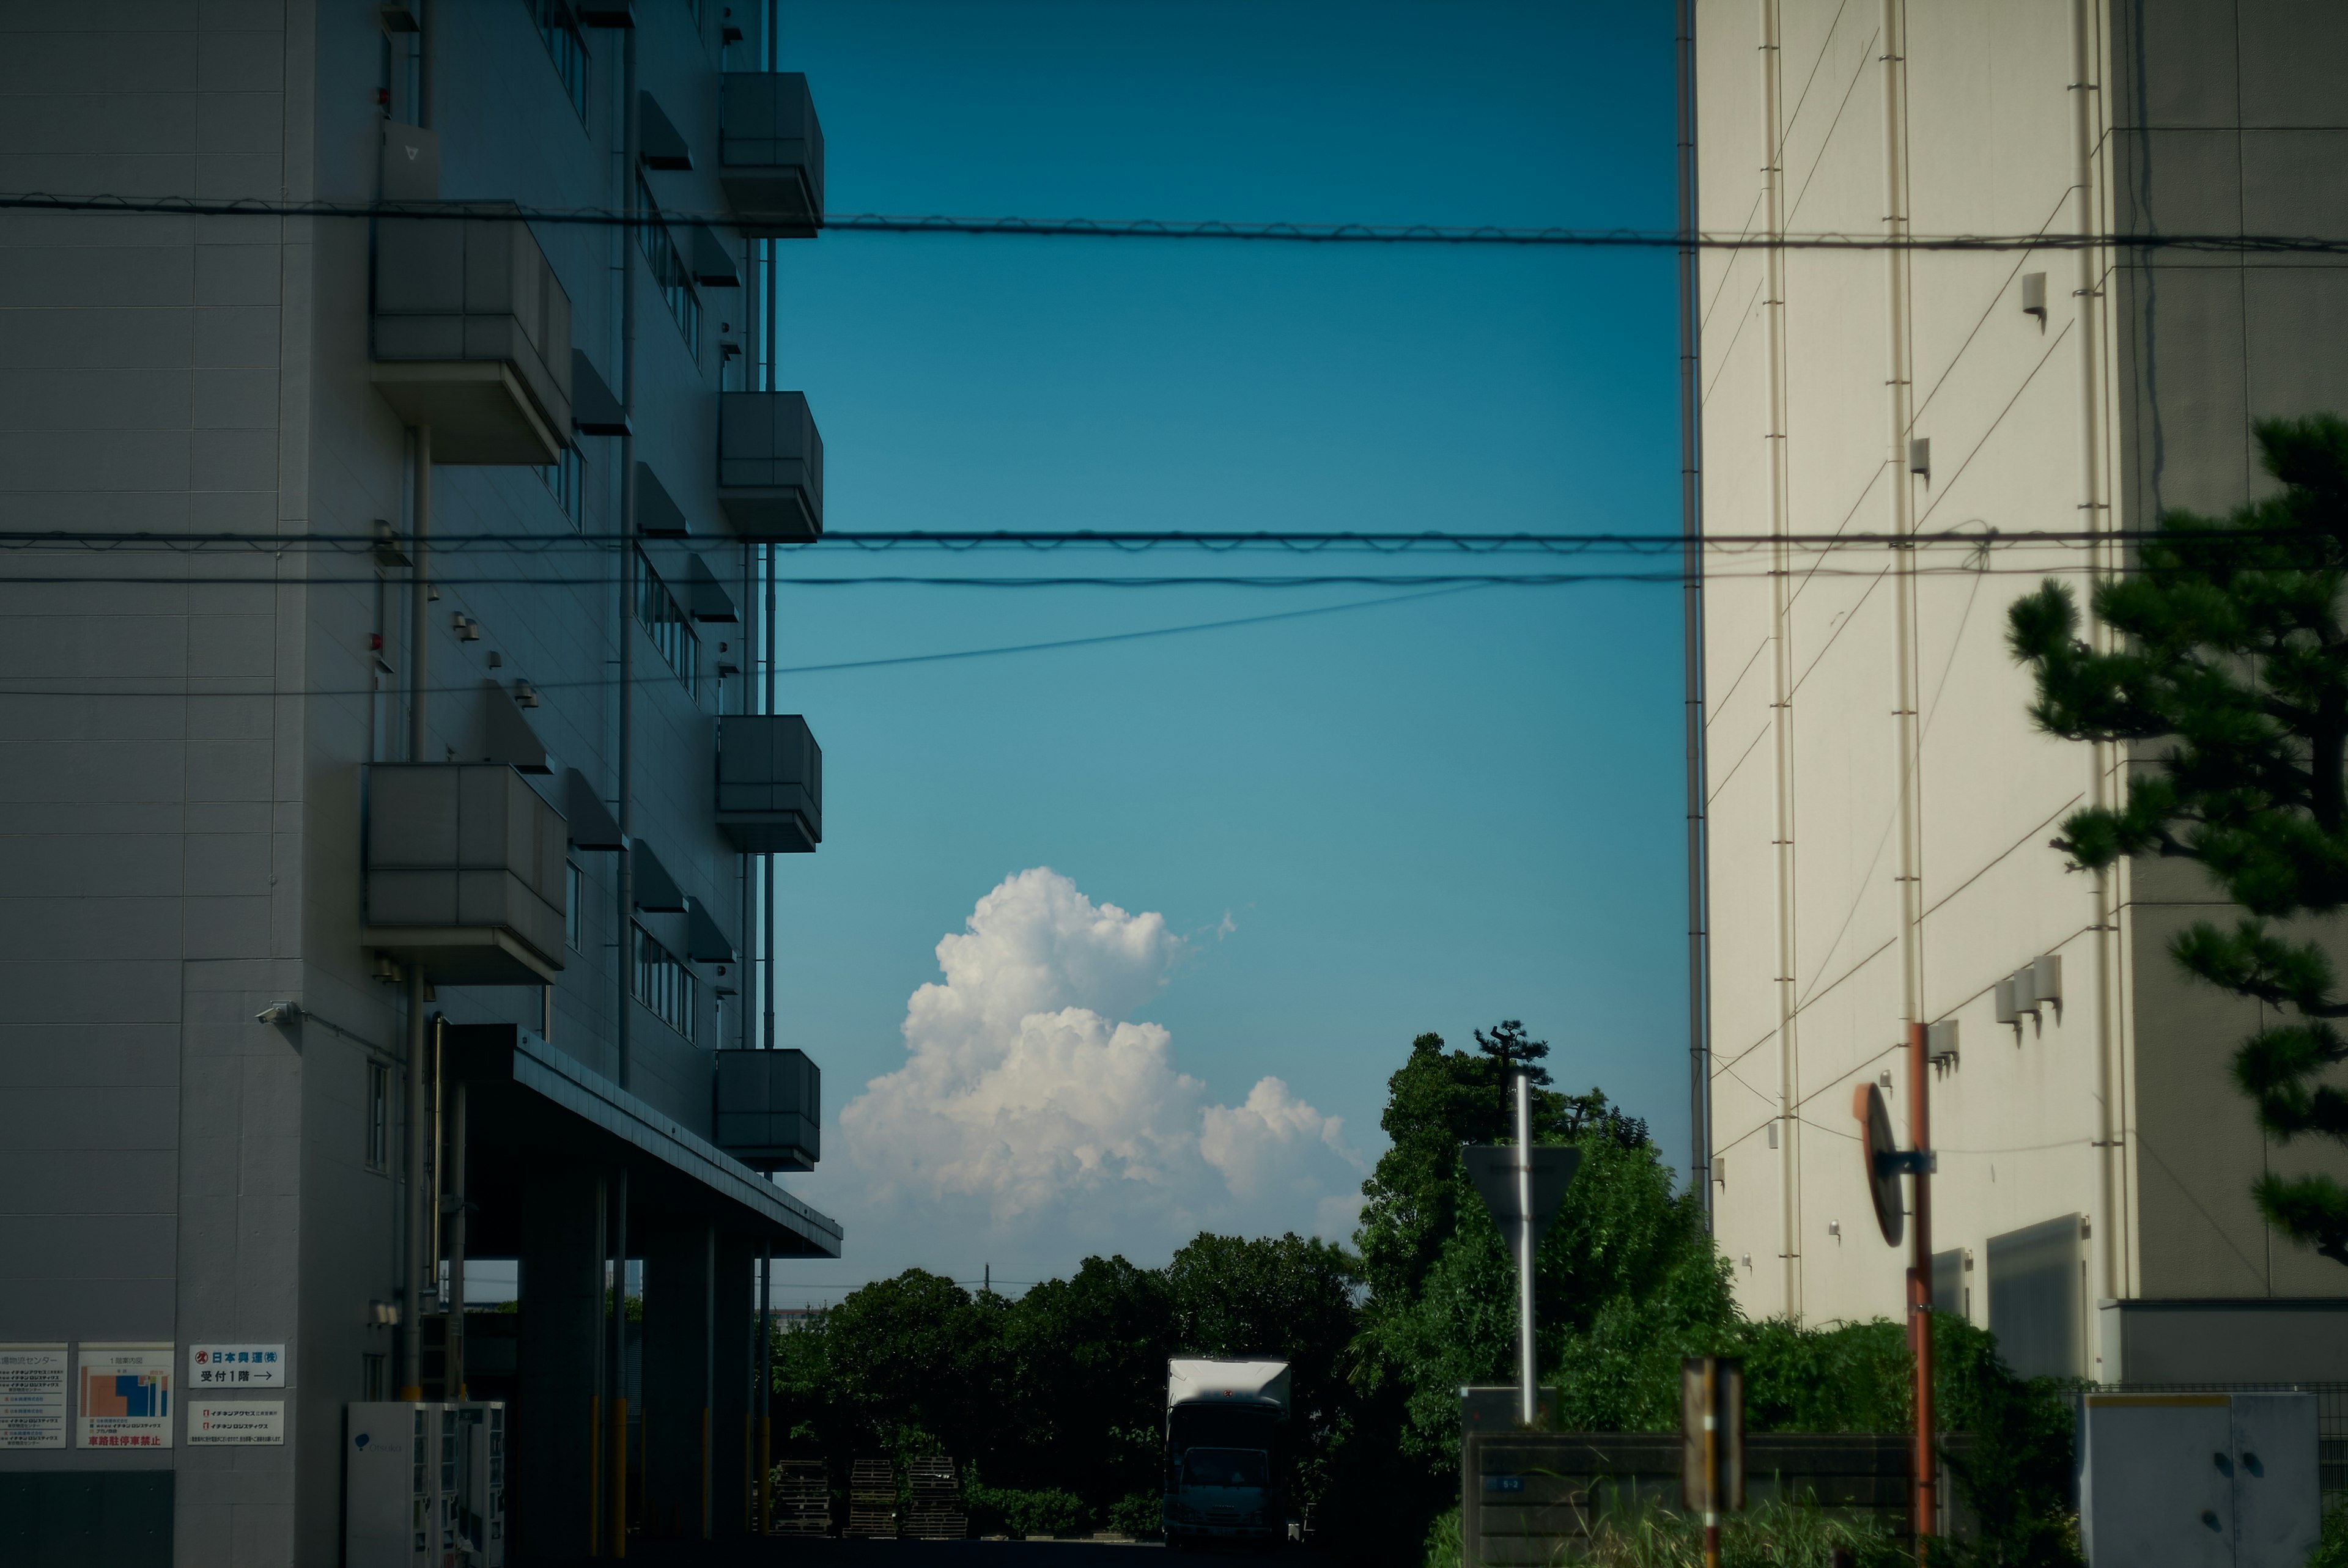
(1274, 233)
(1297, 541)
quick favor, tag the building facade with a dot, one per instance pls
(1878, 802)
(392, 768)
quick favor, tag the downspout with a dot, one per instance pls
(1898, 383)
(419, 615)
(1692, 629)
(623, 884)
(766, 935)
(1781, 670)
(2088, 296)
(411, 1318)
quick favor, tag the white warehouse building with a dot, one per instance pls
(1878, 804)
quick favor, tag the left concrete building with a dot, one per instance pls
(389, 785)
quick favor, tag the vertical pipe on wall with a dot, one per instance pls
(1924, 1458)
(1692, 626)
(411, 1311)
(764, 1406)
(411, 1321)
(424, 63)
(1781, 665)
(2095, 517)
(1898, 383)
(623, 881)
(616, 1512)
(768, 933)
(452, 1376)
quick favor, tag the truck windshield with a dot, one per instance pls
(1225, 1467)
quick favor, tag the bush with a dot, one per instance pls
(1443, 1540)
(1007, 1510)
(1141, 1515)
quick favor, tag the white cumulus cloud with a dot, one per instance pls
(1031, 1108)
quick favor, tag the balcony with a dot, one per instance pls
(769, 1109)
(770, 155)
(770, 466)
(472, 337)
(463, 873)
(769, 784)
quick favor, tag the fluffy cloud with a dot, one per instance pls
(1028, 1108)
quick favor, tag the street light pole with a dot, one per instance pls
(1528, 1399)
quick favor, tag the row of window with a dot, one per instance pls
(669, 274)
(671, 630)
(665, 985)
(566, 480)
(565, 44)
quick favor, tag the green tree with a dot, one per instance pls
(2234, 655)
(1087, 1382)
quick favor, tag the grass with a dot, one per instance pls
(1775, 1533)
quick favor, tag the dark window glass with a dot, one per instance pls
(665, 985)
(664, 621)
(566, 45)
(669, 271)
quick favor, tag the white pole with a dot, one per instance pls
(1526, 1398)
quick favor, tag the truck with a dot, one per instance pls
(1226, 1453)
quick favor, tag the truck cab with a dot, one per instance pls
(1226, 1453)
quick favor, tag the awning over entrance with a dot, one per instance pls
(533, 1106)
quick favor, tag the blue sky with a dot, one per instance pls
(1357, 825)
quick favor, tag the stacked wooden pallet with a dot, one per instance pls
(937, 1512)
(801, 1494)
(873, 1499)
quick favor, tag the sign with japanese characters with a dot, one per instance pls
(125, 1393)
(236, 1366)
(32, 1395)
(238, 1423)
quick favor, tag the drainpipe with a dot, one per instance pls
(452, 1378)
(1692, 629)
(766, 937)
(623, 882)
(411, 1321)
(2111, 1136)
(1781, 670)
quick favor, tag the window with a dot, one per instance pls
(665, 623)
(566, 480)
(565, 44)
(669, 271)
(665, 985)
(572, 886)
(378, 1114)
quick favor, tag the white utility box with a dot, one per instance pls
(480, 1513)
(2198, 1480)
(400, 1480)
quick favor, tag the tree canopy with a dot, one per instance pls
(2231, 678)
(1056, 1399)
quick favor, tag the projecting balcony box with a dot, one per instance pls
(769, 1106)
(473, 336)
(769, 784)
(770, 466)
(770, 155)
(464, 872)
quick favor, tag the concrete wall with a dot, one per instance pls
(2227, 120)
(182, 760)
(1804, 671)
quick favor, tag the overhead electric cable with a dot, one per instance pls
(1276, 232)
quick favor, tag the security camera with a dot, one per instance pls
(278, 1012)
